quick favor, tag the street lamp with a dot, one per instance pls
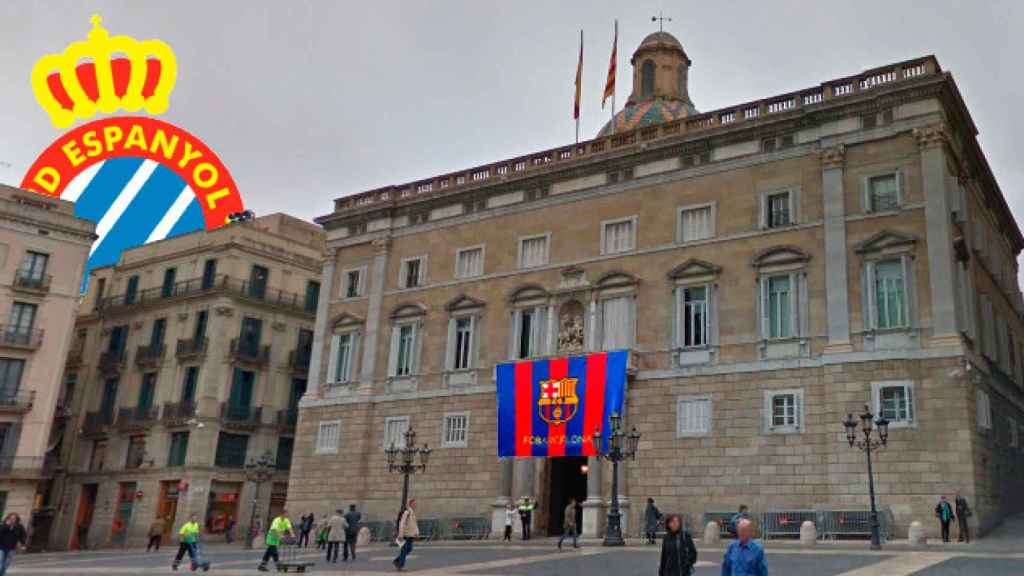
(403, 461)
(259, 471)
(620, 446)
(881, 425)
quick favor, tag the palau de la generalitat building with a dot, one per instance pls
(770, 267)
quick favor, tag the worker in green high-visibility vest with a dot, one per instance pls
(279, 527)
(526, 506)
(188, 535)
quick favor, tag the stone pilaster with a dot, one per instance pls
(932, 142)
(316, 383)
(593, 508)
(836, 286)
(378, 277)
(504, 496)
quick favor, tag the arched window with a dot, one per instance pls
(681, 78)
(647, 78)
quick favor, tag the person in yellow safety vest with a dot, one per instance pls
(281, 525)
(188, 535)
(526, 506)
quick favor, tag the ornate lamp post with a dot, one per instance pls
(620, 446)
(403, 461)
(881, 425)
(259, 471)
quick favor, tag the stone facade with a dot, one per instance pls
(771, 267)
(165, 421)
(43, 248)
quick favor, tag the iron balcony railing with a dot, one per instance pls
(242, 351)
(176, 413)
(96, 422)
(21, 464)
(254, 291)
(17, 400)
(15, 336)
(190, 348)
(74, 358)
(149, 354)
(232, 415)
(298, 360)
(136, 417)
(288, 418)
(112, 361)
(34, 282)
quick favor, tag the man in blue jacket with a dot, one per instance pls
(744, 556)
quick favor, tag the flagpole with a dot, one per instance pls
(616, 71)
(579, 80)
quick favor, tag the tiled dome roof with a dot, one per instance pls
(648, 112)
(660, 38)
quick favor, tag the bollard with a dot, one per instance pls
(364, 537)
(916, 533)
(711, 534)
(808, 533)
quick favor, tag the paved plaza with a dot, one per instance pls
(1002, 553)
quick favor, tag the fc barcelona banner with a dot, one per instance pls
(552, 407)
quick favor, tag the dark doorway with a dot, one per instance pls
(86, 504)
(567, 481)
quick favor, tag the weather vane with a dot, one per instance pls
(660, 19)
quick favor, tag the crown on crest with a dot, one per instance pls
(102, 74)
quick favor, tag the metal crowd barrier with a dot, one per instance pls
(785, 523)
(430, 528)
(454, 528)
(660, 532)
(466, 528)
(720, 518)
(381, 531)
(836, 524)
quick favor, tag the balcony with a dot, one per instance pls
(135, 419)
(17, 401)
(298, 361)
(149, 356)
(28, 282)
(96, 423)
(223, 284)
(112, 362)
(178, 413)
(190, 349)
(74, 359)
(240, 417)
(22, 466)
(13, 336)
(52, 465)
(245, 353)
(287, 419)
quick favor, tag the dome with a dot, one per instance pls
(646, 113)
(660, 40)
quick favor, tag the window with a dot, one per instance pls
(618, 236)
(327, 436)
(778, 210)
(136, 455)
(883, 192)
(696, 223)
(146, 392)
(533, 251)
(20, 322)
(647, 78)
(890, 295)
(412, 272)
(167, 289)
(984, 409)
(460, 352)
(354, 280)
(249, 336)
(894, 401)
(693, 329)
(33, 268)
(11, 370)
(156, 336)
(209, 274)
(312, 296)
(285, 447)
(529, 327)
(131, 291)
(394, 431)
(617, 323)
(98, 455)
(108, 400)
(693, 416)
(456, 430)
(258, 281)
(342, 352)
(681, 80)
(1012, 425)
(406, 340)
(179, 448)
(779, 304)
(240, 396)
(231, 449)
(199, 330)
(784, 411)
(188, 387)
(469, 262)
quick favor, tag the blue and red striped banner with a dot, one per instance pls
(552, 407)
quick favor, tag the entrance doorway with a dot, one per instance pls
(567, 480)
(167, 508)
(123, 515)
(86, 504)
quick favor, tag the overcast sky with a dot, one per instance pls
(308, 101)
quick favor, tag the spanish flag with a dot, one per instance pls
(579, 81)
(609, 85)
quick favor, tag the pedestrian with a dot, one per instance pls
(352, 518)
(526, 507)
(569, 524)
(963, 512)
(278, 528)
(744, 556)
(408, 530)
(337, 534)
(742, 514)
(944, 512)
(651, 518)
(156, 534)
(322, 531)
(678, 554)
(510, 517)
(305, 527)
(187, 537)
(12, 538)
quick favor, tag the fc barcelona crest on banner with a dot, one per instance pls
(553, 407)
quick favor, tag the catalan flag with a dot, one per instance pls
(552, 407)
(609, 85)
(579, 82)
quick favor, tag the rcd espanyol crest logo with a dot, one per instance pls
(140, 179)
